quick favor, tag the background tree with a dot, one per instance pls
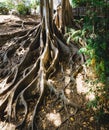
(64, 15)
(67, 15)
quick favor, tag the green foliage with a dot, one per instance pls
(76, 3)
(74, 34)
(3, 8)
(23, 9)
(35, 3)
(93, 103)
(10, 4)
(95, 33)
(97, 58)
(100, 114)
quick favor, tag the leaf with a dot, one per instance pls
(83, 50)
(103, 46)
(92, 103)
(71, 118)
(102, 65)
(76, 33)
(68, 40)
(93, 61)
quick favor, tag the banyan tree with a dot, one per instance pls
(45, 51)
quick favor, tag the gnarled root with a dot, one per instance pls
(40, 54)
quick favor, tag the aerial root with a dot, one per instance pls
(13, 78)
(7, 36)
(60, 95)
(23, 102)
(33, 74)
(29, 92)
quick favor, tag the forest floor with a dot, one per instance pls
(51, 116)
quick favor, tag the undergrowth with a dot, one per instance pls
(92, 39)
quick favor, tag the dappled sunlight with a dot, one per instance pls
(67, 71)
(68, 91)
(83, 88)
(53, 65)
(80, 86)
(54, 118)
(6, 126)
(2, 84)
(67, 80)
(8, 18)
(90, 96)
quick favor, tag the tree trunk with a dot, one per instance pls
(67, 16)
(63, 15)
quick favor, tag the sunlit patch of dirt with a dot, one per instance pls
(6, 126)
(54, 118)
(7, 18)
(83, 87)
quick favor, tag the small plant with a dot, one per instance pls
(95, 34)
(76, 3)
(3, 8)
(35, 3)
(23, 9)
(10, 4)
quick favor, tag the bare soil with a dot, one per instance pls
(52, 115)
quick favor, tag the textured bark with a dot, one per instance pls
(67, 16)
(63, 15)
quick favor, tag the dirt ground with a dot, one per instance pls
(52, 116)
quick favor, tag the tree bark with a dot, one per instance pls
(67, 16)
(64, 16)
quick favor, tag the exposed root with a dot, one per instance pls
(7, 36)
(66, 120)
(40, 51)
(32, 74)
